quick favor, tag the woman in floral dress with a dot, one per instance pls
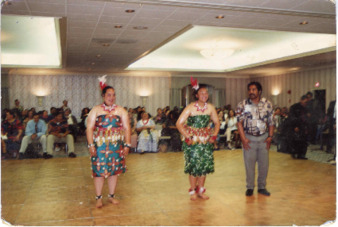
(148, 137)
(198, 139)
(108, 136)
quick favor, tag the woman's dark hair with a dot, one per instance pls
(233, 112)
(257, 84)
(104, 90)
(12, 112)
(194, 92)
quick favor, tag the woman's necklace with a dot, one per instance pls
(201, 109)
(108, 108)
(145, 122)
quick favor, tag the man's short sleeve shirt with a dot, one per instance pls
(256, 118)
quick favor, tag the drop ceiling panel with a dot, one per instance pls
(88, 19)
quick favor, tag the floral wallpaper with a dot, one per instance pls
(83, 91)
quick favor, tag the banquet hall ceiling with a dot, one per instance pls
(108, 35)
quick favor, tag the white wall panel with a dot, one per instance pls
(83, 91)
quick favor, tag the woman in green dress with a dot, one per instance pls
(198, 140)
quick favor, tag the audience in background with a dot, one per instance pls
(11, 134)
(72, 123)
(133, 136)
(28, 118)
(35, 132)
(289, 133)
(160, 117)
(298, 129)
(148, 136)
(170, 129)
(331, 113)
(232, 130)
(58, 132)
(64, 106)
(17, 106)
(44, 116)
(82, 125)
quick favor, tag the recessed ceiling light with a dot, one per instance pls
(98, 55)
(93, 63)
(304, 22)
(118, 26)
(130, 11)
(140, 27)
(220, 17)
(106, 44)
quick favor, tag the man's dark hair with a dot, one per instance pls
(257, 84)
(309, 93)
(303, 97)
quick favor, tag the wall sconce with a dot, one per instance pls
(144, 100)
(40, 100)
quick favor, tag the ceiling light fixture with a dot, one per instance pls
(118, 26)
(304, 22)
(130, 11)
(98, 55)
(220, 17)
(140, 27)
(106, 44)
(216, 54)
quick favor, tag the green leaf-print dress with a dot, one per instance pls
(199, 159)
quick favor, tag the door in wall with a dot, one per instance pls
(320, 100)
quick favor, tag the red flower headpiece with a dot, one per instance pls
(194, 83)
(102, 80)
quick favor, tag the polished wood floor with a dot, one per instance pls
(154, 191)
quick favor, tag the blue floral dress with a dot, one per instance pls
(199, 158)
(108, 140)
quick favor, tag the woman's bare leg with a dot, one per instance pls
(200, 182)
(98, 183)
(112, 182)
(193, 181)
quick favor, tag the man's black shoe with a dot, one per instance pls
(72, 155)
(22, 156)
(249, 192)
(47, 156)
(264, 192)
(302, 157)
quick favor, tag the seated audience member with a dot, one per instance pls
(64, 106)
(23, 115)
(11, 133)
(147, 139)
(58, 132)
(18, 106)
(222, 129)
(28, 118)
(44, 116)
(160, 117)
(35, 132)
(232, 129)
(72, 123)
(82, 125)
(51, 116)
(132, 121)
(170, 129)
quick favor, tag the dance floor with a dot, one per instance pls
(154, 191)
